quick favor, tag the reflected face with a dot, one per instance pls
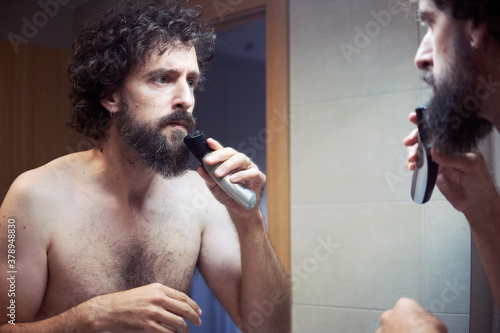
(156, 105)
(436, 49)
(449, 66)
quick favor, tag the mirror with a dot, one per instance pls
(358, 241)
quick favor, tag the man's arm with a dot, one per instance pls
(30, 206)
(237, 259)
(23, 257)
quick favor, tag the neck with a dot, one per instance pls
(122, 172)
(490, 82)
(490, 108)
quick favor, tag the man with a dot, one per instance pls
(460, 56)
(107, 240)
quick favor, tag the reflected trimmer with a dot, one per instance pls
(197, 143)
(426, 170)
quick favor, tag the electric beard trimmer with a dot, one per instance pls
(197, 143)
(426, 170)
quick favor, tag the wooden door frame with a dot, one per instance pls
(227, 12)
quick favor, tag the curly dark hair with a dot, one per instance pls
(481, 11)
(107, 49)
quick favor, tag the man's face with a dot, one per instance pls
(451, 69)
(156, 105)
(436, 49)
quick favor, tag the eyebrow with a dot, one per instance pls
(170, 71)
(424, 14)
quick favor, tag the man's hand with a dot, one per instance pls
(241, 170)
(411, 141)
(409, 317)
(463, 179)
(466, 182)
(152, 308)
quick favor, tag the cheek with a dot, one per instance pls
(441, 60)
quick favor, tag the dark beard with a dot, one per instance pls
(168, 159)
(451, 115)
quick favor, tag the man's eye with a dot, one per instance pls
(192, 83)
(425, 22)
(161, 79)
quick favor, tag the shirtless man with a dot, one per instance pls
(460, 58)
(107, 240)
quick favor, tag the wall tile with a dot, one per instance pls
(317, 319)
(382, 63)
(455, 323)
(307, 319)
(447, 244)
(351, 150)
(374, 255)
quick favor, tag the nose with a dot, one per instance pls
(183, 98)
(423, 58)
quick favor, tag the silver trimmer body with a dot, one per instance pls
(426, 170)
(197, 143)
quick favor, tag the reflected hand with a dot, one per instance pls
(409, 317)
(411, 141)
(465, 181)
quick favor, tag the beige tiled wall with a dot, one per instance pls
(358, 241)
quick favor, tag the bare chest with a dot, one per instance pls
(106, 253)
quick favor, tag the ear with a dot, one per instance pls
(110, 101)
(478, 34)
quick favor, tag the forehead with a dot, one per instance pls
(426, 5)
(177, 57)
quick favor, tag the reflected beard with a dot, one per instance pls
(453, 124)
(168, 159)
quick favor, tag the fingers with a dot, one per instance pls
(168, 322)
(163, 328)
(411, 141)
(411, 157)
(383, 319)
(214, 144)
(467, 162)
(231, 162)
(181, 305)
(413, 117)
(253, 177)
(412, 138)
(169, 310)
(151, 308)
(234, 167)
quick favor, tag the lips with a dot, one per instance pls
(178, 119)
(178, 124)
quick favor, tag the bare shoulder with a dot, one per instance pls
(36, 190)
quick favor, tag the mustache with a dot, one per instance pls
(428, 78)
(179, 116)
